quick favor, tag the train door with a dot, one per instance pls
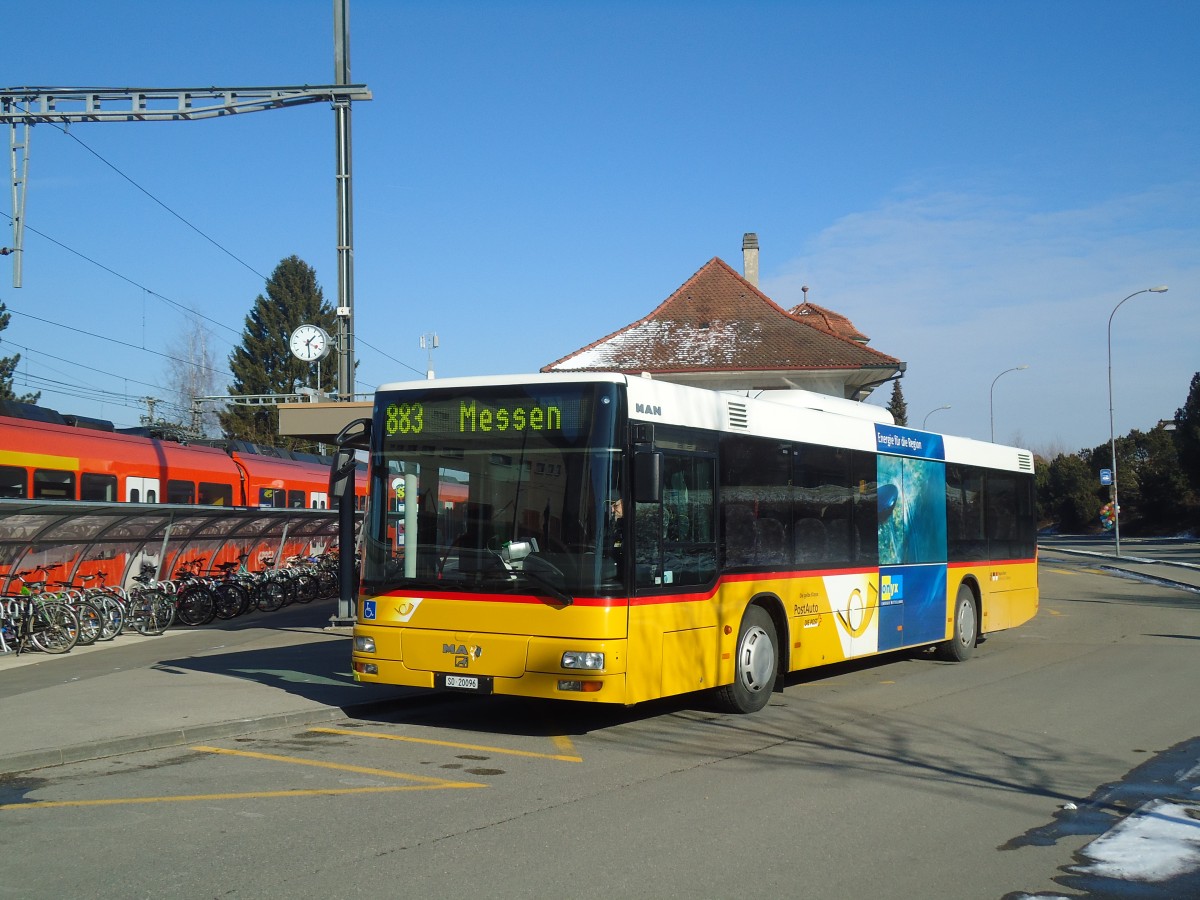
(141, 490)
(318, 500)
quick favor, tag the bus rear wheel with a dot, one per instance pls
(966, 628)
(756, 665)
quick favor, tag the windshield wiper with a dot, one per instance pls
(542, 580)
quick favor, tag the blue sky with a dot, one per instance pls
(976, 186)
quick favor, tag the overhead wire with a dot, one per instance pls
(156, 294)
(208, 238)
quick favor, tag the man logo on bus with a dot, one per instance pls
(891, 587)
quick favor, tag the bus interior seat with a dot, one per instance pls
(739, 534)
(769, 537)
(808, 537)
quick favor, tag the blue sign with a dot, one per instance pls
(368, 609)
(1106, 476)
(906, 442)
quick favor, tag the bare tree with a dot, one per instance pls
(192, 372)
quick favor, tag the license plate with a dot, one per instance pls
(481, 684)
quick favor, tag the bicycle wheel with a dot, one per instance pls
(91, 622)
(197, 605)
(306, 587)
(269, 595)
(114, 616)
(230, 600)
(55, 629)
(141, 611)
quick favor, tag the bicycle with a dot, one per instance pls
(50, 626)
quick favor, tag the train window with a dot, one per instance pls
(212, 494)
(271, 497)
(181, 491)
(296, 499)
(50, 484)
(98, 488)
(13, 484)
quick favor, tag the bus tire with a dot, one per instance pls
(966, 628)
(756, 664)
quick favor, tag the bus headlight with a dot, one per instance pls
(578, 659)
(364, 644)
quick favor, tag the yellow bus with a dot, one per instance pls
(616, 539)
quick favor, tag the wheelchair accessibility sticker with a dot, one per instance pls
(368, 609)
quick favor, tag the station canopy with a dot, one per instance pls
(70, 535)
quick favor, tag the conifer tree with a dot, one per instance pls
(896, 406)
(8, 365)
(263, 363)
(1187, 433)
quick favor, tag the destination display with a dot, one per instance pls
(563, 413)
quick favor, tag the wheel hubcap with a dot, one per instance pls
(756, 660)
(966, 623)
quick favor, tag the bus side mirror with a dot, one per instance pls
(341, 473)
(647, 476)
(356, 435)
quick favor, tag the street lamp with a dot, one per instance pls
(930, 413)
(992, 397)
(1112, 438)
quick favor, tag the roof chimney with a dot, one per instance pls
(750, 257)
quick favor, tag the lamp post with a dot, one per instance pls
(1112, 437)
(930, 413)
(992, 398)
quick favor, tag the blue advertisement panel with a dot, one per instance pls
(911, 501)
(912, 605)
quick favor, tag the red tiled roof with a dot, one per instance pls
(717, 321)
(828, 320)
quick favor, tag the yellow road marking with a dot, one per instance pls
(424, 783)
(453, 745)
(250, 795)
(341, 767)
(564, 743)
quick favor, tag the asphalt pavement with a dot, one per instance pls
(264, 671)
(292, 668)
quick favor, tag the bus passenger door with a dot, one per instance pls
(141, 490)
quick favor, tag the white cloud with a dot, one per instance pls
(965, 285)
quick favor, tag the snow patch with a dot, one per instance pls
(1157, 842)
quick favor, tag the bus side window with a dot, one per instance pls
(13, 483)
(688, 547)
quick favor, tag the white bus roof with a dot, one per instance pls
(786, 415)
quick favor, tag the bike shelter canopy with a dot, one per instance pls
(126, 536)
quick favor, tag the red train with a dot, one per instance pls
(48, 456)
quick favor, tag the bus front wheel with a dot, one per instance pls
(966, 628)
(756, 664)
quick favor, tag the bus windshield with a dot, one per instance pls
(513, 489)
